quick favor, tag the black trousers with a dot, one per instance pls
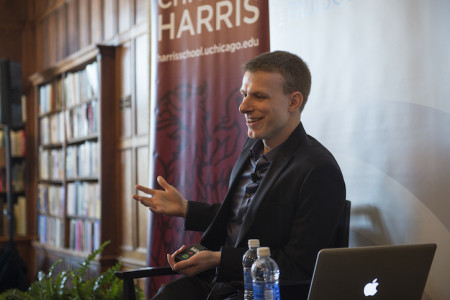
(201, 286)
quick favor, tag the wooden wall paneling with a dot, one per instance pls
(29, 50)
(84, 25)
(42, 9)
(12, 21)
(110, 18)
(72, 26)
(134, 84)
(141, 11)
(30, 10)
(142, 211)
(61, 33)
(41, 6)
(51, 3)
(133, 138)
(46, 41)
(10, 41)
(126, 176)
(124, 85)
(48, 18)
(124, 13)
(142, 84)
(39, 44)
(96, 21)
(42, 60)
(51, 39)
(12, 10)
(128, 227)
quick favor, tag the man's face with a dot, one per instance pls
(266, 107)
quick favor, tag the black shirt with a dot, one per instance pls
(251, 177)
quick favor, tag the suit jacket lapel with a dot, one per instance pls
(237, 169)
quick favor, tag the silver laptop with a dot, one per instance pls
(372, 273)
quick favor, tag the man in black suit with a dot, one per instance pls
(286, 190)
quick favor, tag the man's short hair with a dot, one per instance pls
(294, 70)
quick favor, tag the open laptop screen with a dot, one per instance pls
(371, 273)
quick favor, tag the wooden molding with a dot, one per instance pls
(69, 63)
(50, 10)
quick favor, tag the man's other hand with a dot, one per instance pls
(199, 262)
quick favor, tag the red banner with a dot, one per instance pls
(197, 130)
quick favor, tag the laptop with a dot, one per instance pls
(372, 273)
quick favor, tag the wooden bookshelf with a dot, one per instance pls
(18, 165)
(75, 125)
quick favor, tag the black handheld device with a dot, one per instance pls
(189, 251)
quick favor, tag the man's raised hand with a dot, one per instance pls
(168, 201)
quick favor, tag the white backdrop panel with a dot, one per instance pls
(380, 102)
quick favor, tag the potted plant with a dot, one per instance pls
(72, 284)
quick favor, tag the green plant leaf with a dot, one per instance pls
(71, 285)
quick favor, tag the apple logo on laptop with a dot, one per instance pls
(370, 289)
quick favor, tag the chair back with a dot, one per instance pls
(343, 231)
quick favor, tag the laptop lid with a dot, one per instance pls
(371, 273)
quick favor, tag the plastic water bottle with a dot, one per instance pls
(265, 274)
(247, 261)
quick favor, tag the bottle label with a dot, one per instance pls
(248, 284)
(266, 291)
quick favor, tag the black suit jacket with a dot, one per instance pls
(295, 210)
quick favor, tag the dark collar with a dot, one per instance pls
(298, 136)
(257, 150)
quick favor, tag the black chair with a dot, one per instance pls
(287, 288)
(343, 232)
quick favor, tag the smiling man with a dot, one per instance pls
(286, 190)
(271, 114)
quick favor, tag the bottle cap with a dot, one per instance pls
(253, 243)
(263, 251)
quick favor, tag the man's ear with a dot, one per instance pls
(296, 101)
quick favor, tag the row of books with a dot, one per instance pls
(76, 87)
(52, 129)
(51, 164)
(17, 177)
(20, 217)
(84, 235)
(82, 85)
(83, 199)
(77, 122)
(17, 144)
(51, 230)
(82, 160)
(51, 199)
(50, 96)
(82, 120)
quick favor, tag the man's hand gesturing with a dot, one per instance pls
(168, 201)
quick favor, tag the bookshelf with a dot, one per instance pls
(17, 146)
(75, 187)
